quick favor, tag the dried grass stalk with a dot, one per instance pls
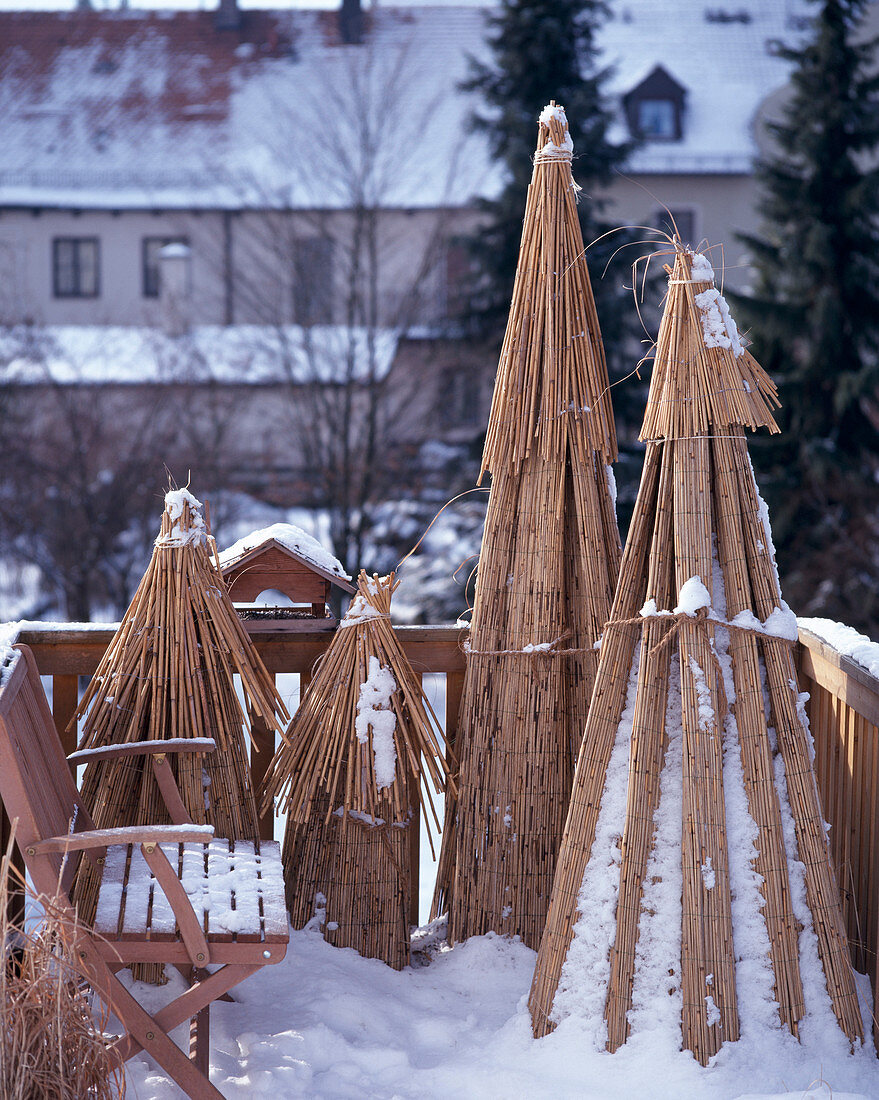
(699, 515)
(51, 1044)
(170, 672)
(349, 773)
(547, 570)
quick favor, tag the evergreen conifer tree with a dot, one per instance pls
(814, 318)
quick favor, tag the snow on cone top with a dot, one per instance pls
(182, 521)
(554, 141)
(552, 392)
(373, 599)
(704, 378)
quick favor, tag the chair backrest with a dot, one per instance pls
(36, 784)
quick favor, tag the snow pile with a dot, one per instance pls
(692, 597)
(846, 640)
(196, 533)
(718, 327)
(375, 712)
(327, 1024)
(292, 538)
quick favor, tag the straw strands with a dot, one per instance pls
(547, 569)
(699, 590)
(51, 1027)
(168, 673)
(348, 774)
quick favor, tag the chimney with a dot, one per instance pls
(175, 288)
(228, 16)
(351, 22)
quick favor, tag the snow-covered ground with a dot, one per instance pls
(326, 1023)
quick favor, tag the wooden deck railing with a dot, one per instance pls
(844, 715)
(843, 708)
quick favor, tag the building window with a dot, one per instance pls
(76, 267)
(654, 109)
(151, 247)
(684, 217)
(313, 281)
(656, 118)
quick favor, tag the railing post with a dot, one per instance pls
(454, 691)
(262, 749)
(65, 699)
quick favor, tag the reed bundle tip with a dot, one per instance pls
(704, 378)
(554, 140)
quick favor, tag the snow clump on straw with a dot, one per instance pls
(552, 151)
(374, 711)
(701, 269)
(718, 327)
(175, 501)
(553, 111)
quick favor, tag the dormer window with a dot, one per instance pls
(655, 107)
(656, 118)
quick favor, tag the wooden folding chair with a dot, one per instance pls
(168, 894)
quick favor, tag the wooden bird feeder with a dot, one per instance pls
(283, 559)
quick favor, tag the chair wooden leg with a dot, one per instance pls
(200, 1029)
(147, 1032)
(200, 1040)
(189, 1004)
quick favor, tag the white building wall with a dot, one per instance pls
(722, 206)
(243, 265)
(26, 238)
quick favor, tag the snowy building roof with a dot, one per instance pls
(256, 354)
(162, 109)
(722, 55)
(137, 109)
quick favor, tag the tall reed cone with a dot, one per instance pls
(349, 775)
(695, 843)
(547, 570)
(169, 672)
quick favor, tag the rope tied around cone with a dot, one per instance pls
(542, 649)
(701, 619)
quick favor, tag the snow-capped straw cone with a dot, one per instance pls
(547, 569)
(348, 773)
(168, 673)
(713, 384)
(552, 387)
(699, 526)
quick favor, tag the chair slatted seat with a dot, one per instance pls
(236, 893)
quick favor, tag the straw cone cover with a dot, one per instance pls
(694, 886)
(168, 673)
(349, 775)
(547, 570)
